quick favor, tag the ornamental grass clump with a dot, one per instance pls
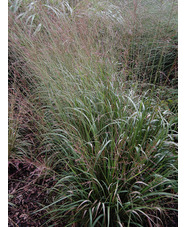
(117, 160)
(103, 124)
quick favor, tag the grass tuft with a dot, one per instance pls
(97, 83)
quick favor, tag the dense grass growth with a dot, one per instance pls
(93, 93)
(116, 158)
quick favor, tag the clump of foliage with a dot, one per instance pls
(101, 82)
(117, 158)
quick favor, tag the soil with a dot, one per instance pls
(27, 193)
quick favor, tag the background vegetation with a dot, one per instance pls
(93, 107)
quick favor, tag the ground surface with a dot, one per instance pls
(26, 194)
